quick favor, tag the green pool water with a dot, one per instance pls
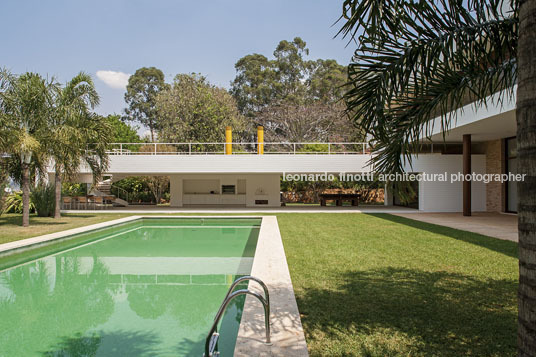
(146, 288)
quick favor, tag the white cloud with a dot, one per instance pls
(113, 79)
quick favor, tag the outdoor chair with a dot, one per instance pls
(82, 202)
(98, 202)
(67, 201)
(108, 201)
(90, 202)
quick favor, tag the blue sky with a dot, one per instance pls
(60, 38)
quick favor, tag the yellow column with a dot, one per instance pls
(228, 141)
(260, 140)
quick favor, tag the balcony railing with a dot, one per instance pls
(238, 148)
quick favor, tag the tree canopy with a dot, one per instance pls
(26, 103)
(290, 77)
(72, 129)
(120, 131)
(293, 97)
(142, 89)
(192, 109)
(45, 121)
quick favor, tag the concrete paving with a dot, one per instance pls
(270, 265)
(498, 225)
(141, 209)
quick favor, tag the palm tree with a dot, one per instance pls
(72, 129)
(526, 146)
(417, 60)
(25, 105)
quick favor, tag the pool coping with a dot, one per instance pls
(287, 332)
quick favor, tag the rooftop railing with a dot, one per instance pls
(239, 148)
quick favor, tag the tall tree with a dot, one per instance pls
(195, 110)
(417, 60)
(291, 69)
(311, 122)
(253, 86)
(122, 132)
(25, 104)
(526, 148)
(142, 89)
(327, 80)
(72, 129)
(290, 77)
(292, 95)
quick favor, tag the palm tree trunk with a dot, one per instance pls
(25, 195)
(526, 147)
(57, 186)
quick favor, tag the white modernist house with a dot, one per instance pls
(199, 178)
(251, 178)
(484, 140)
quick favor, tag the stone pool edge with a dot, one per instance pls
(270, 265)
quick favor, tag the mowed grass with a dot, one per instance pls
(381, 285)
(11, 224)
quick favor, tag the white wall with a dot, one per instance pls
(138, 165)
(258, 187)
(437, 196)
(263, 187)
(200, 185)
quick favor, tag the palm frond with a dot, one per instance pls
(418, 60)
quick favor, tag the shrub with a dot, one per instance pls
(13, 203)
(43, 198)
(73, 189)
(3, 194)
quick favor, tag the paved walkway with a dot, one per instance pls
(502, 226)
(248, 210)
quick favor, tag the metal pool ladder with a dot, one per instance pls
(211, 342)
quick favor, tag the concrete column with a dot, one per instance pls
(175, 191)
(466, 171)
(387, 196)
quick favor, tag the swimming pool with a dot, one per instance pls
(150, 287)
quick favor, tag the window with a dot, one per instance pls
(228, 189)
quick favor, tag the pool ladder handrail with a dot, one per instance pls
(213, 334)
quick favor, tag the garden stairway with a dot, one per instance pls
(104, 188)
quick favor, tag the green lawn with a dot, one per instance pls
(11, 230)
(381, 285)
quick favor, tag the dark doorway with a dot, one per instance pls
(414, 196)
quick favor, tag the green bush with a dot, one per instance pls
(73, 189)
(3, 194)
(137, 188)
(43, 198)
(309, 148)
(13, 203)
(133, 184)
